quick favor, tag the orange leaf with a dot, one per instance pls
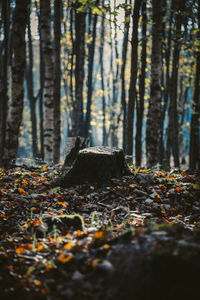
(37, 223)
(37, 282)
(20, 250)
(24, 181)
(98, 234)
(23, 192)
(3, 216)
(40, 247)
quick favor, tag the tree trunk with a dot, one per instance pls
(18, 70)
(173, 118)
(153, 133)
(133, 79)
(90, 75)
(57, 80)
(77, 119)
(124, 57)
(32, 99)
(114, 121)
(45, 14)
(101, 62)
(140, 110)
(42, 76)
(4, 81)
(194, 162)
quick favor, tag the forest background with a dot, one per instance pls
(123, 73)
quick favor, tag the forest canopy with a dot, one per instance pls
(121, 73)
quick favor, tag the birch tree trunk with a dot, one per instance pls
(57, 80)
(134, 68)
(45, 14)
(153, 132)
(30, 88)
(77, 116)
(140, 103)
(18, 69)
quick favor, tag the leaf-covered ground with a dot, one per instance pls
(138, 238)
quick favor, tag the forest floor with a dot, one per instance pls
(138, 238)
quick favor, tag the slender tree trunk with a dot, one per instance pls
(153, 133)
(90, 75)
(124, 57)
(57, 80)
(4, 83)
(45, 14)
(32, 99)
(77, 119)
(194, 156)
(134, 68)
(41, 92)
(167, 89)
(18, 70)
(101, 62)
(140, 110)
(173, 122)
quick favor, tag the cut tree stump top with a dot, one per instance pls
(95, 165)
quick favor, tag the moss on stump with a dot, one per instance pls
(95, 165)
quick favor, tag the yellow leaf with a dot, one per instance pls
(69, 245)
(106, 246)
(96, 262)
(64, 259)
(196, 186)
(44, 168)
(132, 186)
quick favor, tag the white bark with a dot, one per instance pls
(45, 13)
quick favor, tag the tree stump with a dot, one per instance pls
(95, 165)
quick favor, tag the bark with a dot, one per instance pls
(101, 62)
(124, 57)
(32, 99)
(42, 77)
(18, 70)
(133, 79)
(77, 119)
(173, 118)
(194, 156)
(153, 132)
(166, 154)
(114, 121)
(90, 75)
(57, 80)
(45, 14)
(140, 109)
(4, 81)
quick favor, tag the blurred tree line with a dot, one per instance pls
(123, 73)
